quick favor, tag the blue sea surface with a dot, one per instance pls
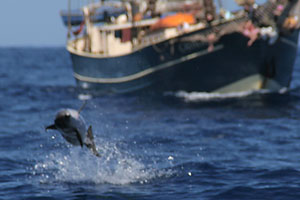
(153, 146)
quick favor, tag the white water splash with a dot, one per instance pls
(114, 167)
(84, 97)
(205, 96)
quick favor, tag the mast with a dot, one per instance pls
(220, 3)
(210, 10)
(69, 19)
(151, 7)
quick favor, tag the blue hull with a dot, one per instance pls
(188, 66)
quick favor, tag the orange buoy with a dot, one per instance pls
(174, 20)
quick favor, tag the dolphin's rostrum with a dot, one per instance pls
(71, 125)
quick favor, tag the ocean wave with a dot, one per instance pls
(281, 173)
(246, 192)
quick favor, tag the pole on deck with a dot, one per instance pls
(69, 19)
(220, 4)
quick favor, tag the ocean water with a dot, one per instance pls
(180, 146)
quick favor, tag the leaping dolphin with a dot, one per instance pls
(71, 125)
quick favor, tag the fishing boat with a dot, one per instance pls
(193, 45)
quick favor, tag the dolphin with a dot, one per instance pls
(72, 127)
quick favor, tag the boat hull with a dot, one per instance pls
(179, 64)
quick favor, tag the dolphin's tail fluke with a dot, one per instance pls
(89, 142)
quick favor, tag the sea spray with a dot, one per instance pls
(78, 166)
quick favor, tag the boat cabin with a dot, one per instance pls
(115, 28)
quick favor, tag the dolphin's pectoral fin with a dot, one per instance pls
(79, 137)
(89, 143)
(52, 127)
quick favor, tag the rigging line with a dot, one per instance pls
(82, 107)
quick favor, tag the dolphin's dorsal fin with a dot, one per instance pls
(52, 127)
(90, 144)
(82, 107)
(79, 137)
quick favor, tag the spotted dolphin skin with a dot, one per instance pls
(72, 127)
